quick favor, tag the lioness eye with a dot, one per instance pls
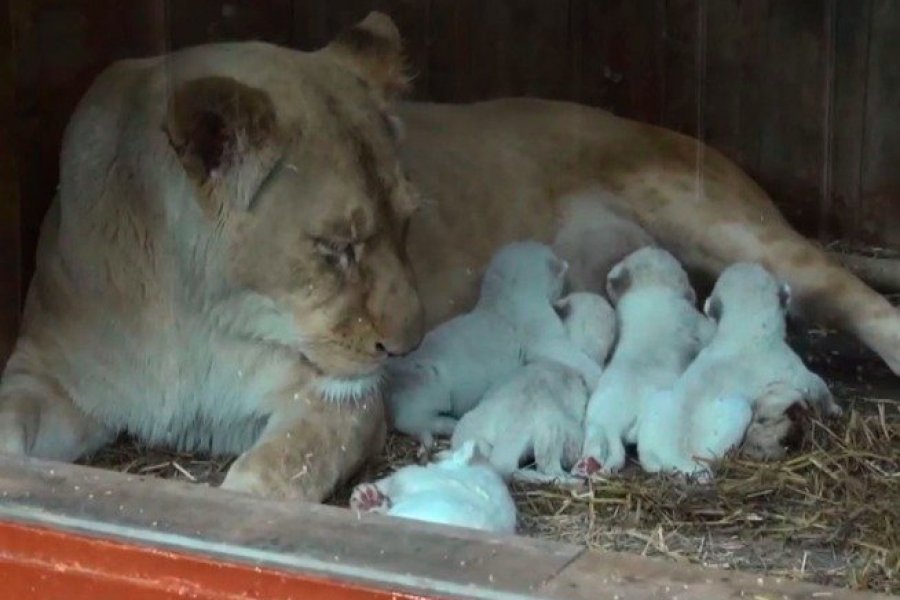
(341, 255)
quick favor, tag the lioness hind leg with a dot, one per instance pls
(825, 292)
(712, 228)
(40, 420)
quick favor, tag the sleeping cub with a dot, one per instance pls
(539, 411)
(746, 381)
(660, 333)
(431, 388)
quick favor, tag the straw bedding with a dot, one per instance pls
(828, 513)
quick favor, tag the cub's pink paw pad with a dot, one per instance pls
(366, 497)
(586, 467)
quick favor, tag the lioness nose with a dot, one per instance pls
(402, 325)
(406, 335)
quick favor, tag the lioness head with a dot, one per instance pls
(296, 162)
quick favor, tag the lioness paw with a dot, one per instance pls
(12, 435)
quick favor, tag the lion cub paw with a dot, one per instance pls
(586, 467)
(368, 498)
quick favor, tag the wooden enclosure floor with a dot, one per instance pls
(829, 513)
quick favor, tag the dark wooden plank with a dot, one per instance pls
(735, 42)
(880, 215)
(61, 45)
(326, 541)
(681, 72)
(793, 121)
(10, 247)
(316, 22)
(202, 21)
(444, 78)
(628, 576)
(619, 56)
(485, 50)
(851, 30)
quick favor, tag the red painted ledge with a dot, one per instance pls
(69, 532)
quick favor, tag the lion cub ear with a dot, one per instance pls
(226, 136)
(374, 49)
(618, 280)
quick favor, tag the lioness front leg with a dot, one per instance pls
(39, 419)
(310, 448)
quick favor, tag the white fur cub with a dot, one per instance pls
(539, 411)
(659, 333)
(590, 324)
(432, 387)
(459, 489)
(747, 374)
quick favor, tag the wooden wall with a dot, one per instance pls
(804, 94)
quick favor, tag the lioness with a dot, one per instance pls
(241, 238)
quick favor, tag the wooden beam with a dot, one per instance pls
(68, 530)
(10, 209)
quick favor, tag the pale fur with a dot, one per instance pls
(200, 310)
(539, 410)
(431, 388)
(460, 489)
(160, 304)
(746, 373)
(590, 324)
(660, 333)
(594, 238)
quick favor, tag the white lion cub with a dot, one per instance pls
(590, 324)
(459, 489)
(539, 411)
(660, 332)
(746, 374)
(429, 389)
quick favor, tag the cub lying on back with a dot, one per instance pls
(660, 333)
(747, 373)
(429, 389)
(539, 410)
(459, 489)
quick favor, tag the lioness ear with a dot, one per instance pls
(617, 282)
(226, 136)
(373, 48)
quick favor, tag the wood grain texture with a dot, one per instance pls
(322, 540)
(792, 122)
(618, 56)
(880, 194)
(852, 30)
(183, 522)
(61, 46)
(10, 246)
(203, 21)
